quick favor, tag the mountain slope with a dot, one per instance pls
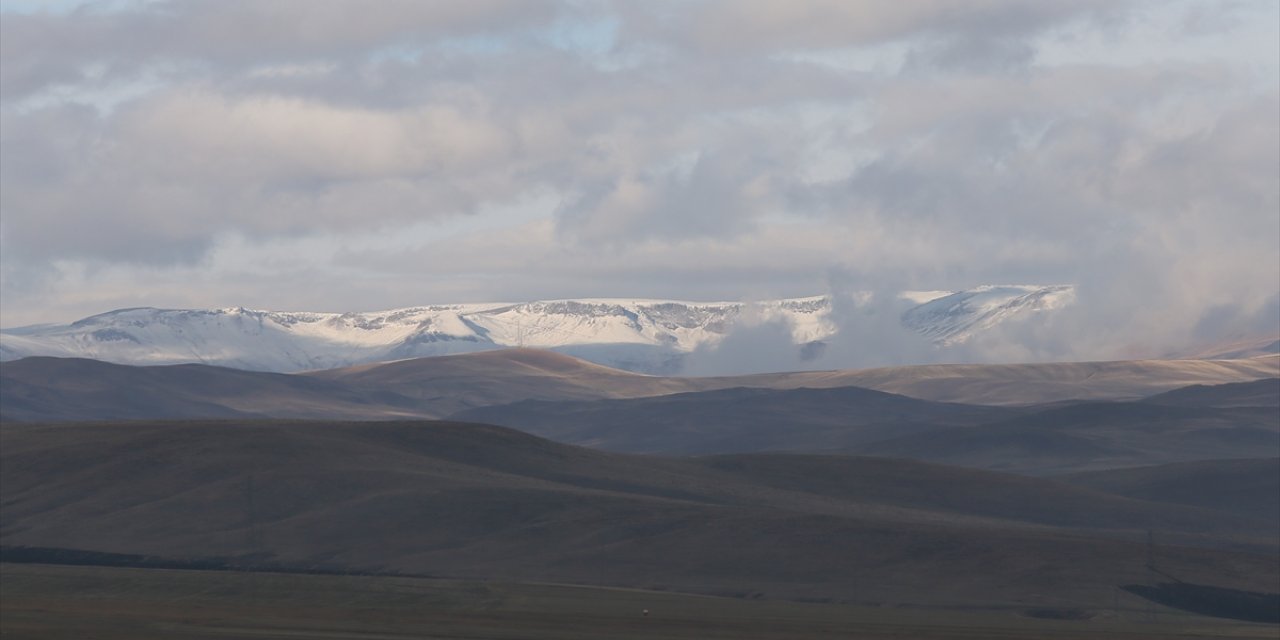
(954, 318)
(641, 335)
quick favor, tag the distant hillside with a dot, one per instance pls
(1037, 440)
(735, 420)
(478, 501)
(448, 384)
(483, 379)
(1026, 384)
(75, 389)
(573, 401)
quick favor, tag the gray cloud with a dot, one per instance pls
(711, 150)
(40, 50)
(741, 26)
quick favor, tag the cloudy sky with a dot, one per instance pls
(333, 156)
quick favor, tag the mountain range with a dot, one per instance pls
(651, 336)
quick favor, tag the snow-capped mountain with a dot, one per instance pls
(641, 335)
(953, 318)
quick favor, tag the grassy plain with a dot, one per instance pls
(66, 602)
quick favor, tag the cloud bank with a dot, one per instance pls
(334, 155)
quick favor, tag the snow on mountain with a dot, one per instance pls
(952, 319)
(642, 335)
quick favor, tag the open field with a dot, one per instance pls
(53, 602)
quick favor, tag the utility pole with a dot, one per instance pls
(1154, 573)
(254, 535)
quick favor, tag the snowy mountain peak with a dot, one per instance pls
(638, 334)
(953, 318)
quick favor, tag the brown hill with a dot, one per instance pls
(1014, 384)
(448, 384)
(459, 382)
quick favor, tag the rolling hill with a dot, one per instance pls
(1038, 440)
(37, 389)
(577, 402)
(448, 384)
(1036, 383)
(478, 501)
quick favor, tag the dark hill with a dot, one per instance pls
(73, 389)
(479, 501)
(735, 420)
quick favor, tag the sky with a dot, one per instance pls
(338, 156)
